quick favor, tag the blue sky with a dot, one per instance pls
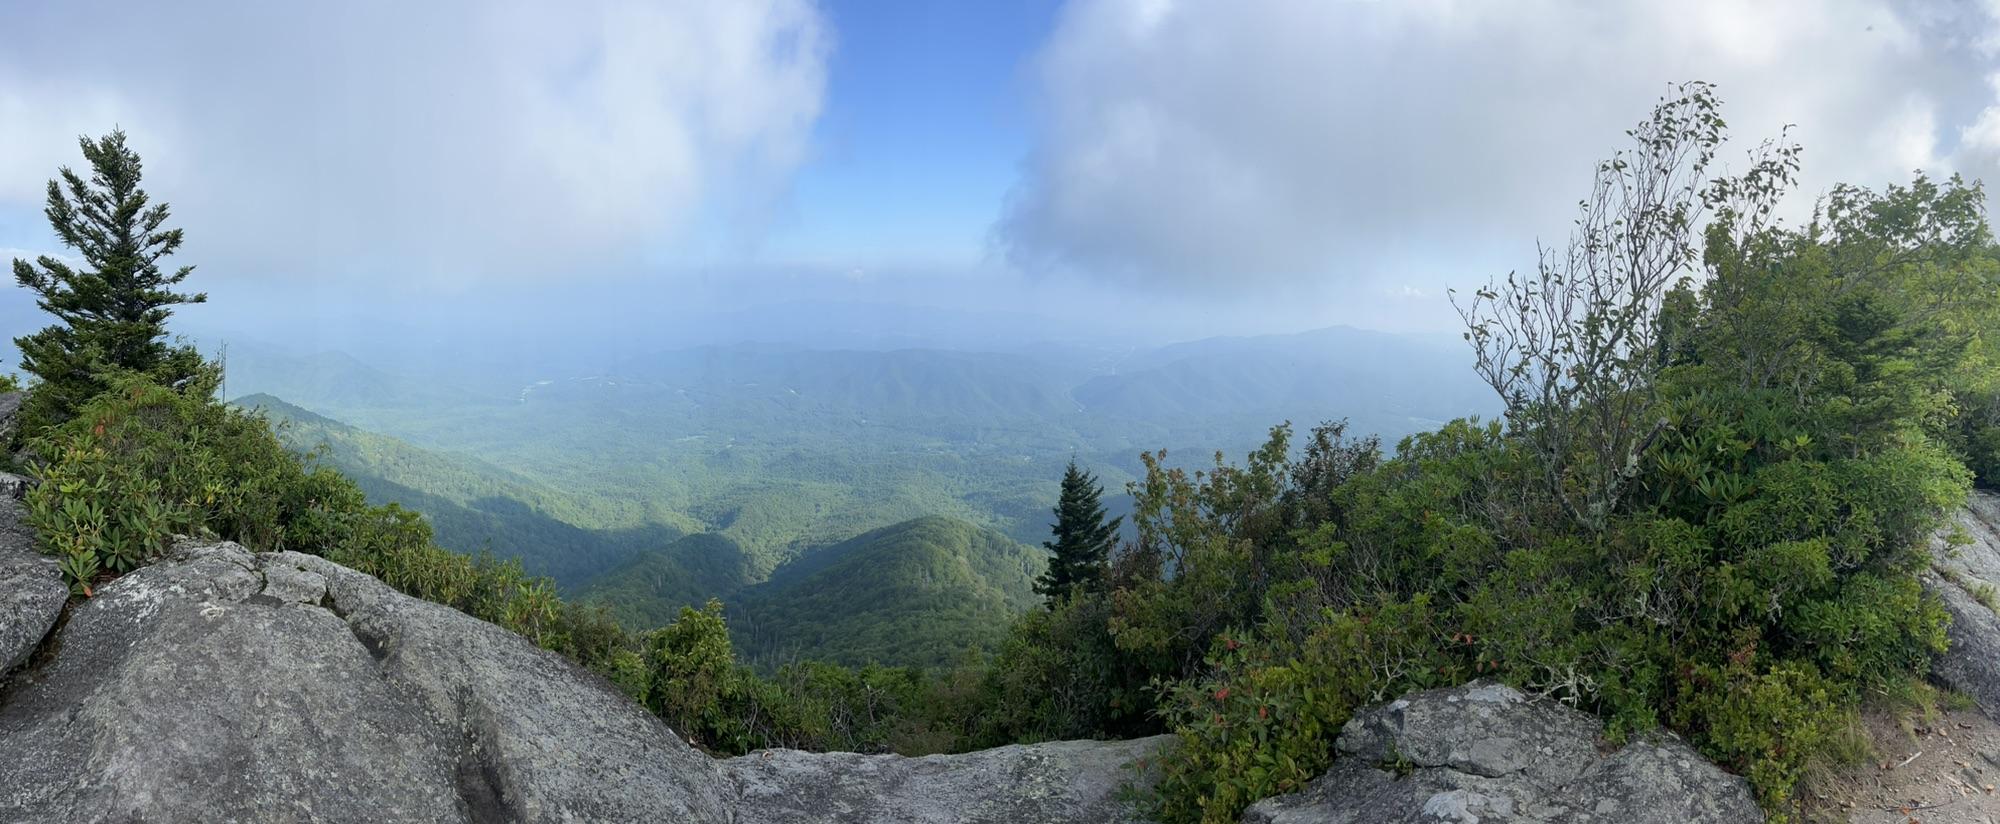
(1159, 169)
(925, 126)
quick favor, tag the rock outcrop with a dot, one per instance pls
(1058, 781)
(31, 590)
(1966, 578)
(1486, 753)
(222, 685)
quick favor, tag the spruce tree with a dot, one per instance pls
(1083, 539)
(114, 307)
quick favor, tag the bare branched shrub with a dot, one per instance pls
(1574, 347)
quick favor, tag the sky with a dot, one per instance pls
(633, 173)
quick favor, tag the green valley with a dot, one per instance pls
(851, 505)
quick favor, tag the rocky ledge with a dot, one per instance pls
(1486, 753)
(222, 685)
(1965, 576)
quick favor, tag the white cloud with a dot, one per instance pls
(9, 254)
(440, 141)
(1203, 144)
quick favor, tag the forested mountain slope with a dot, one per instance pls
(473, 506)
(649, 589)
(918, 592)
(782, 449)
(652, 483)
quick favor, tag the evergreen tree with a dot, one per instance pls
(1083, 538)
(113, 309)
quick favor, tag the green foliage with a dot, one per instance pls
(918, 593)
(143, 462)
(1060, 675)
(693, 679)
(1574, 348)
(112, 315)
(692, 675)
(472, 506)
(1771, 725)
(1081, 548)
(1707, 508)
(1264, 721)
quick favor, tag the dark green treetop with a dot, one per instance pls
(1083, 538)
(112, 308)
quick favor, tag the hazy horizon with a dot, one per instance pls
(1104, 171)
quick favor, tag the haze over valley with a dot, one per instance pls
(659, 481)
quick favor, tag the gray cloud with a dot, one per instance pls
(1303, 145)
(446, 142)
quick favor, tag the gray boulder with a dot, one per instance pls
(222, 685)
(1025, 784)
(1965, 578)
(1484, 753)
(32, 592)
(226, 686)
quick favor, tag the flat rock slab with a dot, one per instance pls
(1052, 783)
(1486, 754)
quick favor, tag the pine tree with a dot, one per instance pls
(113, 310)
(1083, 538)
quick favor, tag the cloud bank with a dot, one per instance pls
(447, 142)
(1285, 144)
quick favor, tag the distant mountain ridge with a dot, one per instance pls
(1394, 379)
(1383, 381)
(750, 472)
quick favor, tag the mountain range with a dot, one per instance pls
(846, 504)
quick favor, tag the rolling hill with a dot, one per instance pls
(918, 592)
(649, 589)
(472, 506)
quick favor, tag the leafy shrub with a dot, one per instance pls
(1264, 722)
(1061, 675)
(143, 462)
(1770, 724)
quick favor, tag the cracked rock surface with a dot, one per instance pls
(226, 686)
(1484, 753)
(1059, 781)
